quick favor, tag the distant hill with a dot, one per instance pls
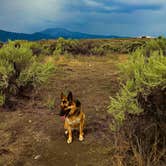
(4, 36)
(52, 33)
(61, 32)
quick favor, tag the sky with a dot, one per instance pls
(108, 17)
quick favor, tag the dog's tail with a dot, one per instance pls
(78, 103)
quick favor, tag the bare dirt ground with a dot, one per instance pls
(33, 135)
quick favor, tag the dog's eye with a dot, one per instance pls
(64, 102)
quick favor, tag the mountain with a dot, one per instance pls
(61, 32)
(52, 33)
(5, 36)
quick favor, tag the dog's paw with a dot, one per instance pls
(81, 138)
(66, 132)
(69, 140)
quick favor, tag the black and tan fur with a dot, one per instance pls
(74, 116)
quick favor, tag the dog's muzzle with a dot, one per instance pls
(64, 112)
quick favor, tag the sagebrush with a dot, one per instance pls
(19, 69)
(138, 109)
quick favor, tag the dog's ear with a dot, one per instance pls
(78, 103)
(62, 95)
(70, 97)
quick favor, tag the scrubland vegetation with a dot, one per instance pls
(87, 47)
(137, 119)
(138, 109)
(19, 71)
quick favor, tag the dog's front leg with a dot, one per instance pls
(65, 127)
(69, 140)
(81, 135)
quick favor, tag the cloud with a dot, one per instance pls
(115, 6)
(92, 3)
(119, 17)
(141, 2)
(24, 14)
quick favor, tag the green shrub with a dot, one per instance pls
(36, 48)
(111, 48)
(133, 46)
(138, 110)
(36, 74)
(19, 69)
(142, 75)
(98, 51)
(155, 45)
(65, 46)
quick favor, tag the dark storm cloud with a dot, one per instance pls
(119, 17)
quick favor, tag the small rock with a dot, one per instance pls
(37, 157)
(65, 153)
(20, 114)
(30, 121)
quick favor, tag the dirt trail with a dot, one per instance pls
(34, 135)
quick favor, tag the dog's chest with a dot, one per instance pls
(73, 121)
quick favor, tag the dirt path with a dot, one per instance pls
(34, 135)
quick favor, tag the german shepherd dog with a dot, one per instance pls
(73, 115)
